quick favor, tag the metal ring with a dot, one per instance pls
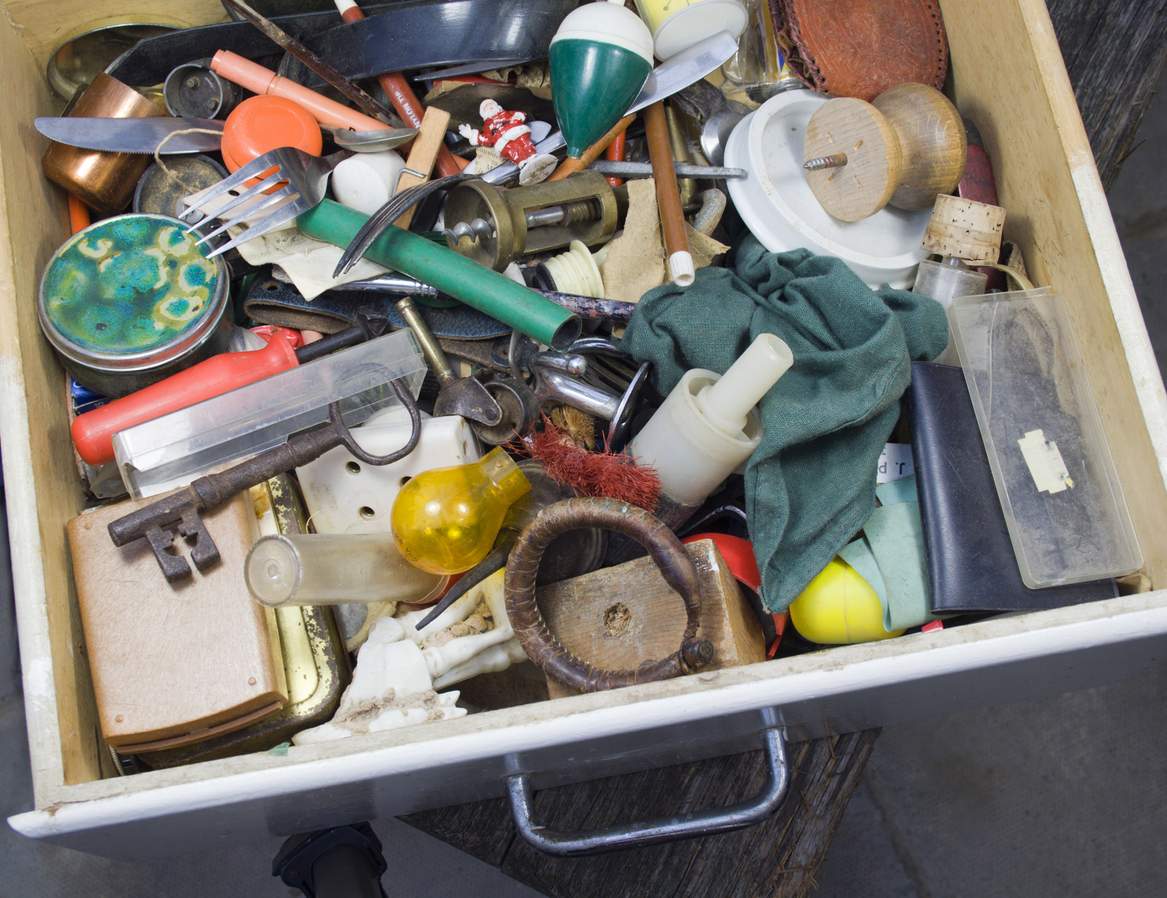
(664, 548)
(349, 441)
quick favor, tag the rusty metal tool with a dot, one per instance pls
(181, 509)
(464, 396)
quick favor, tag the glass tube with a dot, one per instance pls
(333, 568)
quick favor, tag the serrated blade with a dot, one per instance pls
(132, 135)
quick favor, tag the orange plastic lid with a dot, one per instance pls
(259, 124)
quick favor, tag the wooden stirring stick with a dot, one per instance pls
(668, 197)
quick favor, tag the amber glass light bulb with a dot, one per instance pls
(446, 520)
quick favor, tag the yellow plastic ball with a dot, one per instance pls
(839, 607)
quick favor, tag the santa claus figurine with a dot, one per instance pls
(511, 139)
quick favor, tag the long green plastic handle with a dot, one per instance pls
(466, 280)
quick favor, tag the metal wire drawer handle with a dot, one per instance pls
(642, 833)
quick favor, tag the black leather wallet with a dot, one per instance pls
(971, 565)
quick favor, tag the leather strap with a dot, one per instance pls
(275, 302)
(150, 60)
(393, 37)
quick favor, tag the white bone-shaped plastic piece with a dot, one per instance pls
(391, 688)
(464, 642)
(399, 670)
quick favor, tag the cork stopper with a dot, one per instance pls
(965, 229)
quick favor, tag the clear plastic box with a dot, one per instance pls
(1062, 500)
(175, 449)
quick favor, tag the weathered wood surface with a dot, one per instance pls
(1115, 52)
(777, 857)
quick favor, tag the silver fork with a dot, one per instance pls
(304, 178)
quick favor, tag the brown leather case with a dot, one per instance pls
(316, 664)
(174, 664)
(859, 48)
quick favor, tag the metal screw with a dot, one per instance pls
(822, 162)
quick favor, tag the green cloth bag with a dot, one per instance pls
(810, 484)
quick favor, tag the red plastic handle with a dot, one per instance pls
(93, 431)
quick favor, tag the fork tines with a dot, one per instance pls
(282, 203)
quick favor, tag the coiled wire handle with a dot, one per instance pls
(665, 550)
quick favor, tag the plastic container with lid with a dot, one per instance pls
(259, 124)
(1064, 506)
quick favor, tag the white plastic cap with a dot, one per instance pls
(681, 269)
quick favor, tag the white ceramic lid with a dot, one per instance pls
(695, 23)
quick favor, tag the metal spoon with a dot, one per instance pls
(715, 115)
(370, 141)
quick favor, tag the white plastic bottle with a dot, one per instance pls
(708, 426)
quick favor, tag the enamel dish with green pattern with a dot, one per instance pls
(132, 299)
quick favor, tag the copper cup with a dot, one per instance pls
(104, 181)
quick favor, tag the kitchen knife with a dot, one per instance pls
(132, 135)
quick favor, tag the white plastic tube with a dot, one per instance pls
(707, 426)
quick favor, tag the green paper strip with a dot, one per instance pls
(858, 554)
(896, 537)
(466, 280)
(896, 491)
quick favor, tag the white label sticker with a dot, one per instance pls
(1045, 462)
(895, 461)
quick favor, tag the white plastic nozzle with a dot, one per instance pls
(681, 269)
(727, 403)
(707, 426)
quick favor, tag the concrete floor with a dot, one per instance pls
(1060, 797)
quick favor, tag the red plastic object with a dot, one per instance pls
(93, 431)
(781, 619)
(932, 625)
(738, 554)
(259, 124)
(977, 183)
(267, 331)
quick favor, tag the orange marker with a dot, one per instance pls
(615, 153)
(79, 218)
(265, 82)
